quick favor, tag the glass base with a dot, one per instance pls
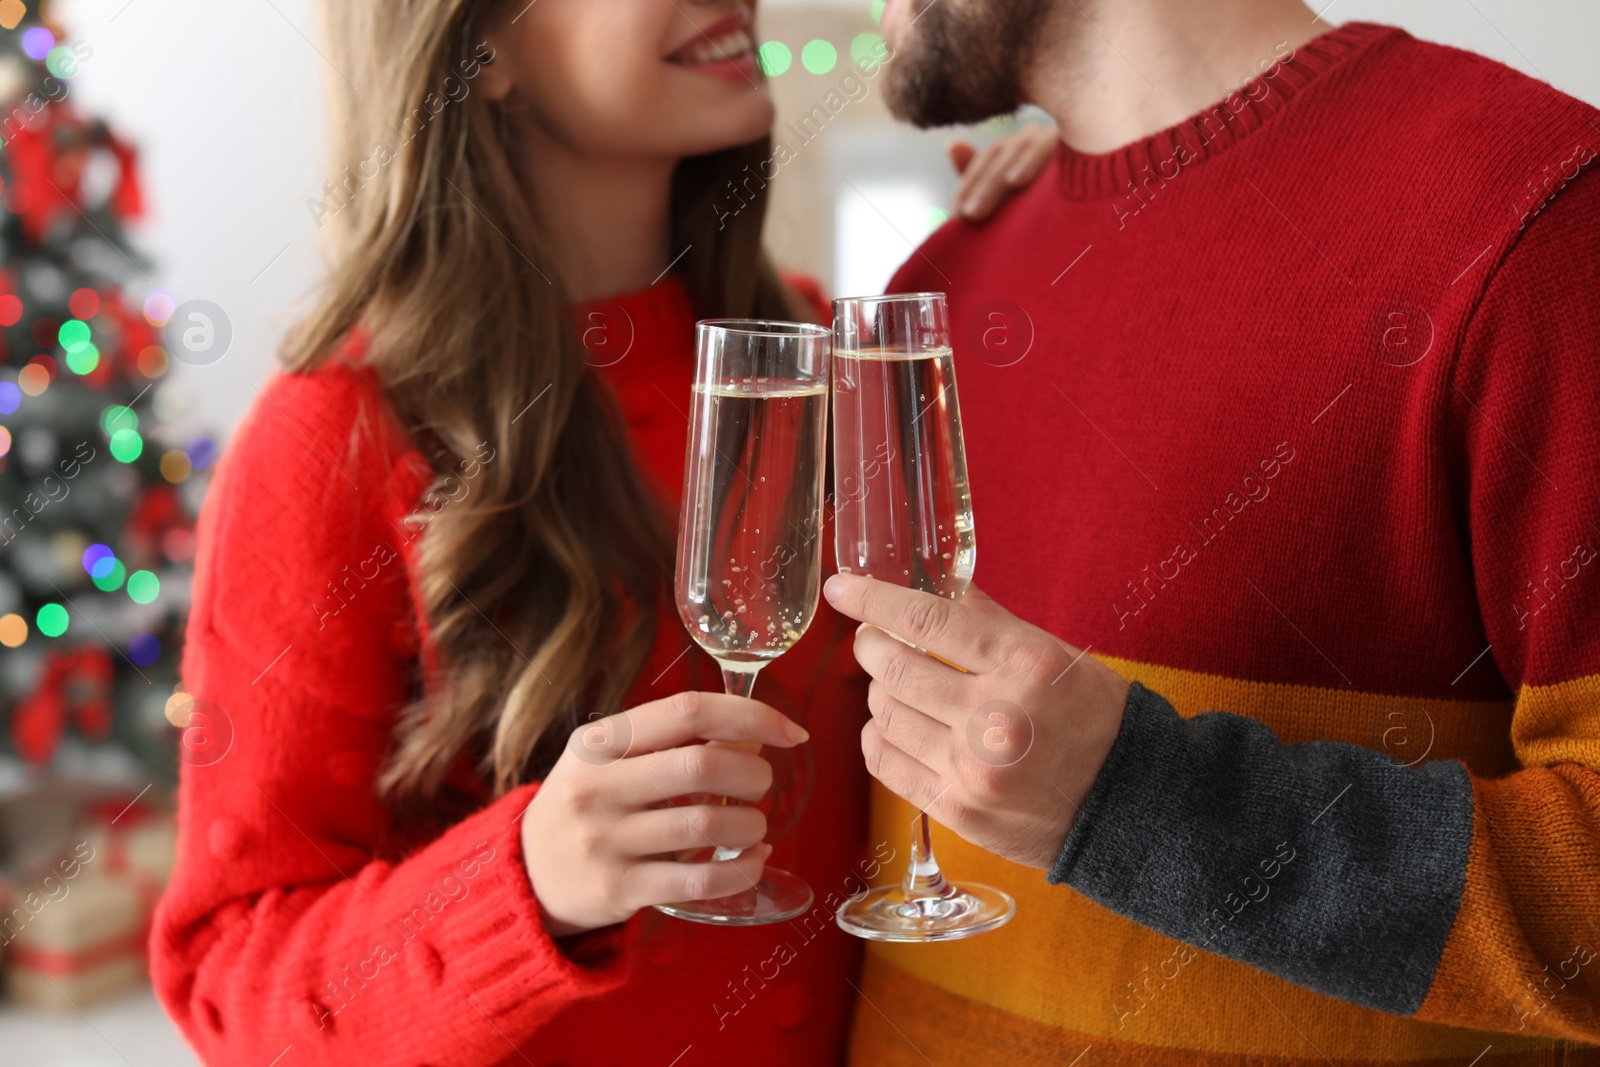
(777, 897)
(889, 914)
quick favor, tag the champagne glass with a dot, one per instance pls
(749, 537)
(903, 514)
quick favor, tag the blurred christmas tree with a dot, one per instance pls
(96, 499)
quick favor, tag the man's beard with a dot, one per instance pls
(965, 60)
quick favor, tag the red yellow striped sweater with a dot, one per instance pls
(1289, 414)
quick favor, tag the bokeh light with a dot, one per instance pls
(144, 649)
(126, 445)
(178, 545)
(10, 397)
(159, 306)
(13, 630)
(153, 361)
(868, 50)
(118, 417)
(37, 42)
(83, 359)
(202, 452)
(46, 362)
(73, 334)
(111, 581)
(143, 587)
(98, 560)
(12, 12)
(775, 58)
(84, 304)
(175, 466)
(10, 310)
(818, 56)
(51, 620)
(33, 379)
(180, 706)
(61, 62)
(5, 441)
(877, 9)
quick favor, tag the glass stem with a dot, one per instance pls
(923, 879)
(739, 684)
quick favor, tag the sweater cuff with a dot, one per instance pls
(1125, 764)
(497, 952)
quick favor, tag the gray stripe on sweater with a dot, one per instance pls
(1326, 864)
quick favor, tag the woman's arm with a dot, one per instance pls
(292, 919)
(283, 926)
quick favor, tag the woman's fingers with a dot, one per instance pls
(680, 720)
(658, 776)
(666, 882)
(998, 170)
(961, 155)
(983, 183)
(1037, 145)
(590, 829)
(689, 826)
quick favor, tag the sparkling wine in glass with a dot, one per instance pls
(903, 514)
(750, 532)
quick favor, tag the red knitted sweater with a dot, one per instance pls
(1288, 414)
(300, 915)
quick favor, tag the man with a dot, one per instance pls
(1281, 403)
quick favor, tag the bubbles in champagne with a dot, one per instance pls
(750, 558)
(898, 427)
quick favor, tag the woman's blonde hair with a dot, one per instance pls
(542, 587)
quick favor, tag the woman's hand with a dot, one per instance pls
(594, 836)
(991, 174)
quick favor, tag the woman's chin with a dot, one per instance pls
(753, 122)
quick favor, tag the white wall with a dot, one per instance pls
(224, 100)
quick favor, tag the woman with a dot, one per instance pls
(435, 567)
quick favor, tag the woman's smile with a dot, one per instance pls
(724, 50)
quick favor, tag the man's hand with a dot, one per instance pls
(1002, 751)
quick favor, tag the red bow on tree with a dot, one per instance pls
(79, 680)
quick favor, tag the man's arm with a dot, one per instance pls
(1420, 890)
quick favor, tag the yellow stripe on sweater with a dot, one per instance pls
(906, 1022)
(1068, 963)
(1408, 729)
(1559, 723)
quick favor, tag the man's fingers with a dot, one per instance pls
(947, 628)
(899, 773)
(923, 738)
(911, 677)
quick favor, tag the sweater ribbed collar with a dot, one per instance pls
(664, 309)
(1208, 133)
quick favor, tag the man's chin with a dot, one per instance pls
(962, 60)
